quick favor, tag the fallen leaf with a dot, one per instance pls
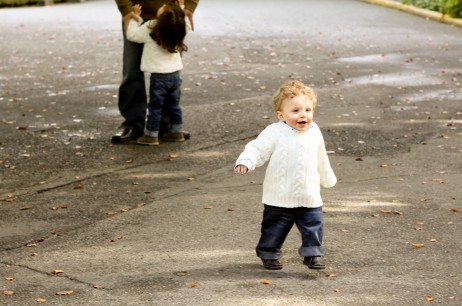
(77, 186)
(181, 273)
(359, 159)
(65, 292)
(433, 240)
(140, 204)
(40, 300)
(331, 275)
(8, 292)
(454, 210)
(56, 272)
(191, 284)
(429, 298)
(336, 290)
(265, 281)
(9, 278)
(31, 245)
(417, 245)
(208, 207)
(98, 286)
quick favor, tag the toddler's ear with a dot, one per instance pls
(280, 115)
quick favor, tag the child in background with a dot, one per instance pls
(163, 43)
(298, 166)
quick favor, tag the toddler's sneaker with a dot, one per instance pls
(148, 140)
(272, 264)
(173, 137)
(315, 262)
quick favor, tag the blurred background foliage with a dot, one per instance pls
(452, 8)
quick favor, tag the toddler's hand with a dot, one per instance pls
(241, 169)
(137, 9)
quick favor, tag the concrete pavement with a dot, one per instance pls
(84, 222)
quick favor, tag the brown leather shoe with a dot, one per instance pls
(272, 264)
(315, 262)
(148, 140)
(173, 137)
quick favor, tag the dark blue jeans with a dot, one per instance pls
(164, 96)
(132, 90)
(277, 223)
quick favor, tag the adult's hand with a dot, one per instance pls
(128, 17)
(189, 15)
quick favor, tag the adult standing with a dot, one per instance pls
(132, 90)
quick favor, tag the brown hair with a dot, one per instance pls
(292, 89)
(170, 29)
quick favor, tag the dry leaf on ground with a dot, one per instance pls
(65, 292)
(56, 272)
(8, 292)
(191, 284)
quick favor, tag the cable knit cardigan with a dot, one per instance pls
(298, 165)
(154, 59)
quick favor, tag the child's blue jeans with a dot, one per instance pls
(164, 97)
(277, 223)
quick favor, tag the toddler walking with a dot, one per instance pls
(163, 43)
(298, 166)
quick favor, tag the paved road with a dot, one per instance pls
(149, 223)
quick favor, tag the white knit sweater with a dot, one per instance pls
(154, 59)
(298, 165)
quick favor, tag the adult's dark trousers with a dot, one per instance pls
(132, 90)
(277, 223)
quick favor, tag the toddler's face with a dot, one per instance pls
(297, 112)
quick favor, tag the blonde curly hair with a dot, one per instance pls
(292, 89)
